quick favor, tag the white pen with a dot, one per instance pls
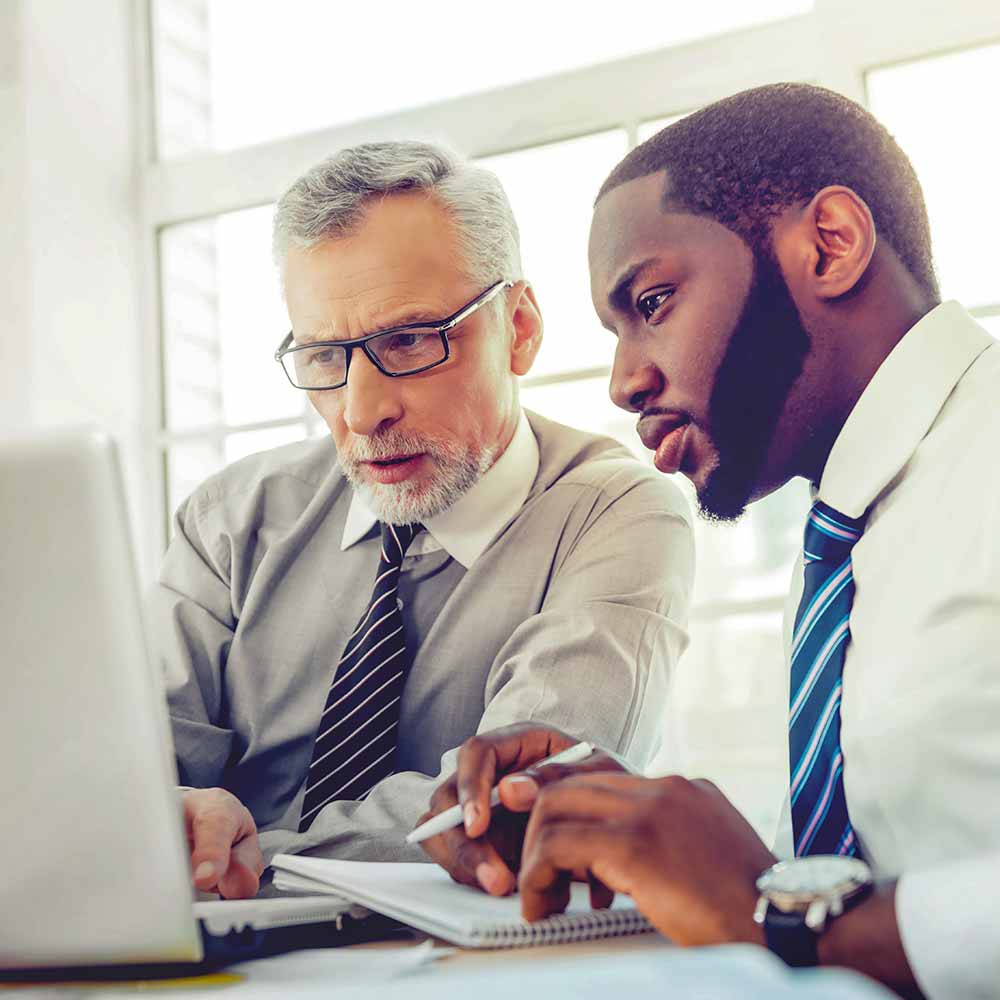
(453, 817)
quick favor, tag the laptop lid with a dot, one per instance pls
(91, 831)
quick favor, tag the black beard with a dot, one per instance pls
(765, 355)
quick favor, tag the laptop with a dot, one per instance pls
(96, 870)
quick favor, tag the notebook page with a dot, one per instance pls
(425, 896)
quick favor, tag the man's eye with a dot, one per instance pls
(648, 304)
(402, 341)
(321, 356)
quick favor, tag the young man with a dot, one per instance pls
(765, 266)
(334, 617)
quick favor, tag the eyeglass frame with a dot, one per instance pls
(441, 326)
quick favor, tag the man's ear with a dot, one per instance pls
(841, 232)
(526, 319)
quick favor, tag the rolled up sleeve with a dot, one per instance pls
(192, 624)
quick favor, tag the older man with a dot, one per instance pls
(334, 617)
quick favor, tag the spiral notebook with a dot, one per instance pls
(424, 896)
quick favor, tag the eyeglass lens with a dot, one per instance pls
(405, 351)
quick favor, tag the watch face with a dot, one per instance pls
(812, 876)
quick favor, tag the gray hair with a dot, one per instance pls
(328, 202)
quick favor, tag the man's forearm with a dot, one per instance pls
(867, 939)
(370, 830)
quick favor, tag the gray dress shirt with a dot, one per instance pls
(573, 616)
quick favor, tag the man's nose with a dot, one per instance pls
(371, 399)
(634, 380)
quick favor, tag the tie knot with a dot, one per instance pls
(830, 534)
(396, 540)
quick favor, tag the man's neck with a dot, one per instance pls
(855, 338)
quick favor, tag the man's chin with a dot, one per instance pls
(417, 498)
(724, 493)
(397, 503)
(718, 495)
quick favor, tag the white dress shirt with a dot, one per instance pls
(948, 918)
(920, 717)
(468, 526)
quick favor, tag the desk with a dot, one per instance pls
(638, 967)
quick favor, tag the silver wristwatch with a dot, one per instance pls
(798, 897)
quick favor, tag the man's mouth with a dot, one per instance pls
(665, 434)
(393, 468)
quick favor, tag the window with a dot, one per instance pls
(550, 189)
(934, 108)
(231, 74)
(223, 317)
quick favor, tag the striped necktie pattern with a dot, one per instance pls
(356, 737)
(820, 820)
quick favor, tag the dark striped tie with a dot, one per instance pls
(822, 632)
(356, 738)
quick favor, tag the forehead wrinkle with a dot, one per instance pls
(393, 311)
(326, 332)
(414, 315)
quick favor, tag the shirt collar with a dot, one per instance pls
(468, 526)
(898, 406)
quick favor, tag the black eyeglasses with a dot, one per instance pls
(398, 351)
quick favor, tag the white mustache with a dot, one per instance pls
(390, 445)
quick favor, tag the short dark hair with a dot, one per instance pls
(744, 159)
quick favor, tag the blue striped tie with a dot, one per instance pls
(356, 738)
(822, 631)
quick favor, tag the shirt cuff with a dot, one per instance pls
(947, 918)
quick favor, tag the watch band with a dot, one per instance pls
(789, 938)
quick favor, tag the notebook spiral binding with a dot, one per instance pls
(566, 928)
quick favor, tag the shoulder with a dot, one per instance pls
(575, 461)
(967, 428)
(977, 395)
(279, 499)
(952, 478)
(287, 477)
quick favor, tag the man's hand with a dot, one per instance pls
(485, 851)
(678, 848)
(222, 838)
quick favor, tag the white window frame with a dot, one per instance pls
(836, 44)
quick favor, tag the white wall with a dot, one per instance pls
(71, 269)
(15, 353)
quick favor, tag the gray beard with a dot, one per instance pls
(458, 470)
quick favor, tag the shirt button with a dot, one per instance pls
(399, 603)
